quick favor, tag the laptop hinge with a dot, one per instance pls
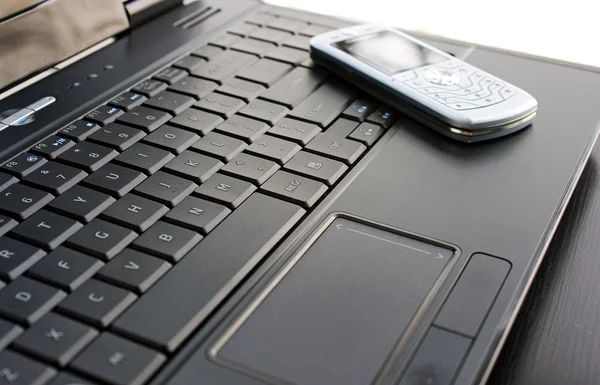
(140, 11)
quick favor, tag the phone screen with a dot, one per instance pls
(389, 52)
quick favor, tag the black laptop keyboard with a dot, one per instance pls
(121, 231)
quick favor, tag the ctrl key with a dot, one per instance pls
(116, 361)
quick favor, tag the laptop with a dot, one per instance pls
(185, 198)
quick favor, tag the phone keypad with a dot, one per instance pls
(456, 85)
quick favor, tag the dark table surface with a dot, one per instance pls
(556, 337)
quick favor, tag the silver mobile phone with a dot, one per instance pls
(447, 94)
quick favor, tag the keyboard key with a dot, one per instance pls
(145, 118)
(170, 75)
(224, 41)
(193, 166)
(23, 164)
(226, 190)
(172, 139)
(360, 109)
(20, 370)
(383, 116)
(17, 257)
(149, 87)
(242, 29)
(8, 333)
(325, 104)
(171, 102)
(115, 180)
(299, 42)
(46, 229)
(97, 303)
(179, 301)
(341, 128)
(6, 180)
(134, 271)
(265, 111)
(252, 46)
(198, 214)
(166, 188)
(294, 87)
(55, 177)
(78, 130)
(6, 224)
(295, 130)
(135, 212)
(316, 167)
(208, 52)
(297, 189)
(25, 301)
(20, 202)
(259, 18)
(222, 105)
(189, 63)
(273, 148)
(243, 128)
(241, 89)
(102, 239)
(167, 241)
(52, 146)
(81, 203)
(145, 158)
(68, 379)
(116, 361)
(270, 35)
(220, 146)
(201, 122)
(286, 24)
(88, 156)
(223, 65)
(104, 115)
(334, 147)
(251, 168)
(127, 100)
(288, 55)
(367, 133)
(195, 87)
(55, 339)
(314, 30)
(65, 268)
(117, 136)
(264, 71)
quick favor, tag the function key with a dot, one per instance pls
(170, 75)
(104, 114)
(384, 116)
(189, 63)
(359, 110)
(88, 156)
(145, 118)
(23, 164)
(208, 52)
(149, 87)
(78, 130)
(127, 100)
(195, 87)
(20, 202)
(52, 146)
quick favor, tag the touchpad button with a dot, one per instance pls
(334, 314)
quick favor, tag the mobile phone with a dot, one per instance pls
(443, 92)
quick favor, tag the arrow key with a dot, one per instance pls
(134, 270)
(55, 339)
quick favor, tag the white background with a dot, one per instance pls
(569, 30)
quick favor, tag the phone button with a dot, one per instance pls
(441, 77)
(507, 92)
(462, 106)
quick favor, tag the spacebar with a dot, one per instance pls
(171, 310)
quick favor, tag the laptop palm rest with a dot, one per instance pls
(335, 312)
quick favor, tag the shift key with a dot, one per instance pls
(188, 293)
(326, 103)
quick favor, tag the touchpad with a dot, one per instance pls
(335, 312)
